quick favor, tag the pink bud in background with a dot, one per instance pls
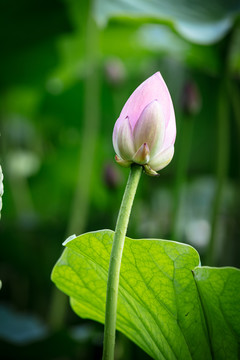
(190, 99)
(146, 129)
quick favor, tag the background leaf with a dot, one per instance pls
(202, 22)
(158, 306)
(222, 308)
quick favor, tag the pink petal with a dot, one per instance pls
(124, 141)
(154, 88)
(114, 138)
(150, 128)
(170, 132)
(123, 163)
(142, 155)
(162, 159)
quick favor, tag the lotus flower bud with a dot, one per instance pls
(111, 177)
(190, 99)
(115, 71)
(145, 130)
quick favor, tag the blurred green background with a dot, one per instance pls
(66, 69)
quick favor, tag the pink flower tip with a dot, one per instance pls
(146, 129)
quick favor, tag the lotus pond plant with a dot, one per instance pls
(154, 291)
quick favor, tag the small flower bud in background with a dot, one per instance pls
(111, 177)
(146, 129)
(115, 71)
(190, 99)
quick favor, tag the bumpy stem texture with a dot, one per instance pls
(115, 262)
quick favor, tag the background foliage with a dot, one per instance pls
(67, 67)
(168, 304)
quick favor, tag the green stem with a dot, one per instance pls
(115, 262)
(80, 205)
(234, 96)
(222, 170)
